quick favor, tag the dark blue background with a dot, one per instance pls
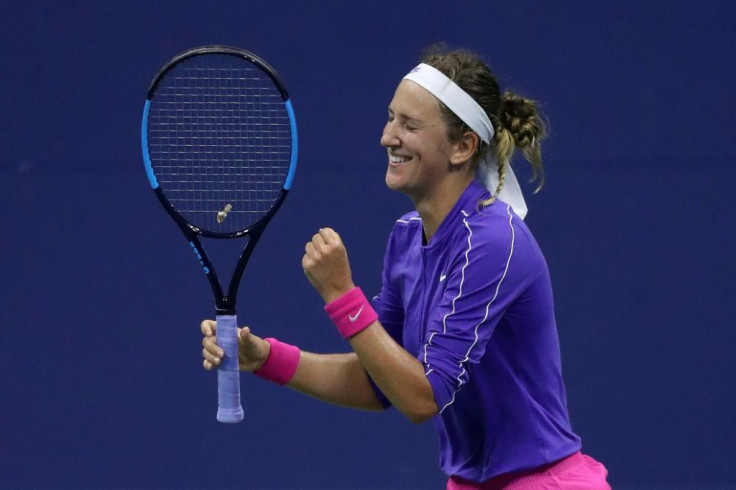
(101, 384)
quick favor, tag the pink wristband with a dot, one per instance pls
(351, 313)
(281, 363)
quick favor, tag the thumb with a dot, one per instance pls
(244, 336)
(249, 343)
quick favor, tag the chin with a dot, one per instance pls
(392, 183)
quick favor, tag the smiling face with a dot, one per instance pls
(415, 136)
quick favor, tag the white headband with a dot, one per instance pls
(472, 114)
(455, 98)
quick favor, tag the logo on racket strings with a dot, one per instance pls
(221, 215)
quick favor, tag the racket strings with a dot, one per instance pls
(220, 141)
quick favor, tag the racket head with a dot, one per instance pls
(219, 140)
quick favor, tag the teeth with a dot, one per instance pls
(396, 159)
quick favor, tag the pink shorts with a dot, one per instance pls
(576, 472)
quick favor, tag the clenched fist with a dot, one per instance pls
(326, 265)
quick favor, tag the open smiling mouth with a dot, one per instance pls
(398, 160)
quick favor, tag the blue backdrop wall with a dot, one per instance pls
(101, 383)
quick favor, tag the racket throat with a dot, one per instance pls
(225, 307)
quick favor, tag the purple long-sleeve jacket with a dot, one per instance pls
(475, 307)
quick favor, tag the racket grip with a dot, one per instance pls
(229, 409)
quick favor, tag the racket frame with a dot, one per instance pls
(225, 304)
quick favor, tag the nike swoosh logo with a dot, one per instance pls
(352, 318)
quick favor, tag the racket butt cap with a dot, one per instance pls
(230, 415)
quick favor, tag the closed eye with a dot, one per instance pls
(407, 122)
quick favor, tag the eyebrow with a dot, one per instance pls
(405, 116)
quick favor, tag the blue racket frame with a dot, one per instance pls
(229, 406)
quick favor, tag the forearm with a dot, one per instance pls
(398, 374)
(339, 379)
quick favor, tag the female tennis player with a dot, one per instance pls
(463, 330)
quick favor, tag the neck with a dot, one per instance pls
(433, 208)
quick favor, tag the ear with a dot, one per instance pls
(464, 149)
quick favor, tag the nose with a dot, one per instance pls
(389, 136)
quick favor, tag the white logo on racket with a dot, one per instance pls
(221, 215)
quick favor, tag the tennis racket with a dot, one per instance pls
(219, 146)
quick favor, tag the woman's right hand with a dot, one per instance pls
(252, 350)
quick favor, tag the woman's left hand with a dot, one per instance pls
(326, 265)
